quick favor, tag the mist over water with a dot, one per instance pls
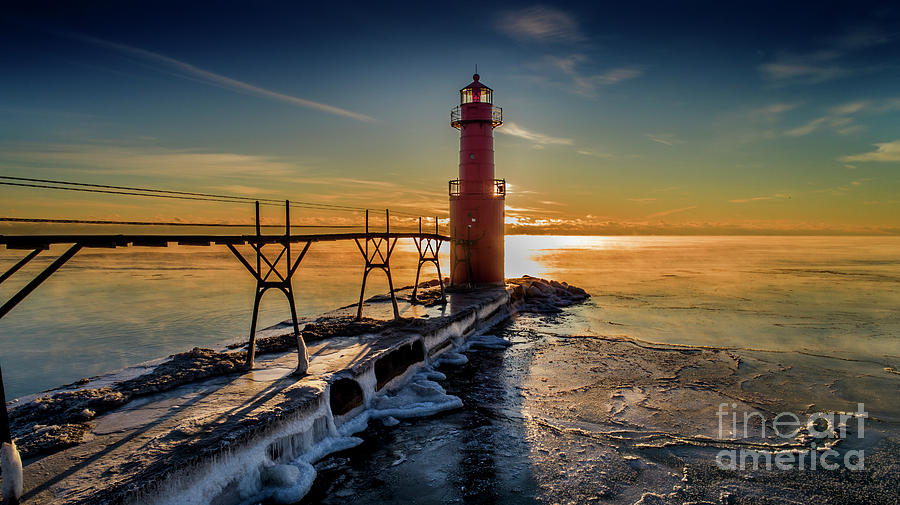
(616, 400)
(828, 295)
(107, 309)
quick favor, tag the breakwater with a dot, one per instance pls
(239, 437)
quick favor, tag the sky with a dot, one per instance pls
(619, 118)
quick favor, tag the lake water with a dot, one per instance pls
(106, 309)
(616, 401)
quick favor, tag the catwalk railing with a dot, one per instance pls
(272, 269)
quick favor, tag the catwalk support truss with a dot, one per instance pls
(274, 268)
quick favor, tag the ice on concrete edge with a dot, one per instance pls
(487, 341)
(250, 473)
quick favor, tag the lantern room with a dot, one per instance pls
(475, 93)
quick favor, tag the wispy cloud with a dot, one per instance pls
(807, 128)
(806, 68)
(778, 108)
(839, 119)
(540, 24)
(831, 62)
(586, 83)
(773, 112)
(842, 189)
(240, 189)
(670, 211)
(168, 64)
(145, 160)
(538, 140)
(886, 151)
(849, 108)
(668, 139)
(588, 152)
(776, 196)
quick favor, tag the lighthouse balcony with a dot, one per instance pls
(497, 188)
(456, 116)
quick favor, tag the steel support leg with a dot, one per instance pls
(362, 293)
(283, 284)
(302, 352)
(416, 285)
(251, 346)
(393, 296)
(428, 254)
(441, 280)
(384, 265)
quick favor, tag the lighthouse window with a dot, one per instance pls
(475, 95)
(471, 156)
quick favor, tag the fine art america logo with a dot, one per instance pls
(805, 444)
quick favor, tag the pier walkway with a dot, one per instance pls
(218, 440)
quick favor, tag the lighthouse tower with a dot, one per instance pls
(476, 198)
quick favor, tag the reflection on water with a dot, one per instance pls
(573, 413)
(828, 295)
(821, 295)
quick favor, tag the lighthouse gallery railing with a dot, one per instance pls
(498, 188)
(456, 116)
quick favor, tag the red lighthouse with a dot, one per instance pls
(476, 198)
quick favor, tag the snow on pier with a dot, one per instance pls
(248, 436)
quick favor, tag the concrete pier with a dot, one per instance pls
(223, 439)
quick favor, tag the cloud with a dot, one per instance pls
(588, 152)
(537, 139)
(540, 24)
(862, 37)
(808, 128)
(760, 198)
(670, 211)
(616, 75)
(849, 130)
(203, 171)
(805, 68)
(168, 64)
(886, 151)
(839, 120)
(587, 84)
(146, 160)
(667, 139)
(773, 111)
(833, 61)
(642, 200)
(240, 189)
(778, 108)
(849, 108)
